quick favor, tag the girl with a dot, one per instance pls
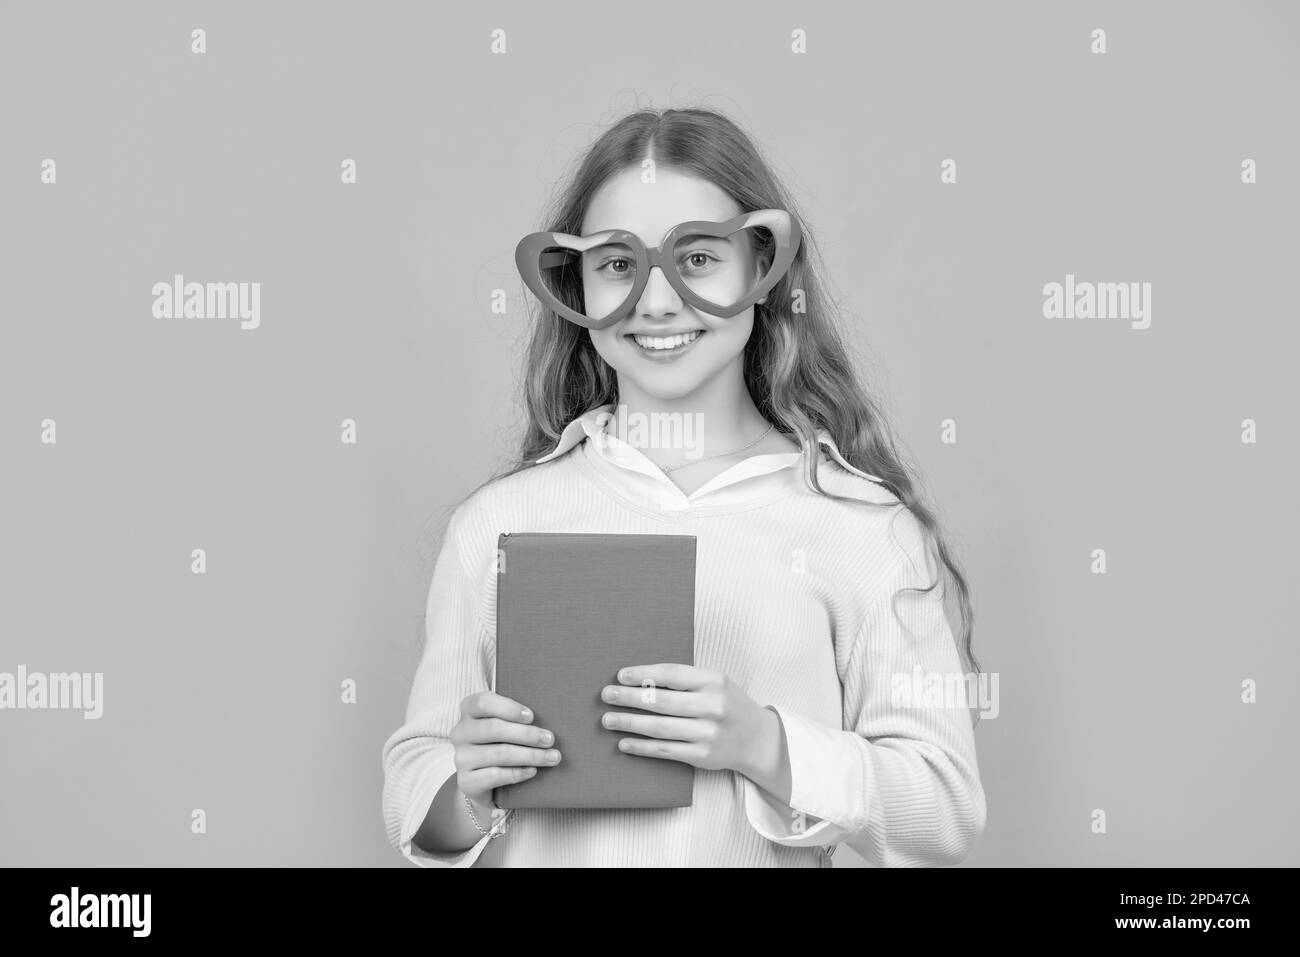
(675, 279)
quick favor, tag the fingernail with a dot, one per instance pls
(529, 772)
(526, 715)
(624, 675)
(552, 756)
(547, 738)
(611, 694)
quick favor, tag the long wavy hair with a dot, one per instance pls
(796, 365)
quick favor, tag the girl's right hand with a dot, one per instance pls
(497, 744)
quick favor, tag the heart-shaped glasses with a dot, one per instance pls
(718, 268)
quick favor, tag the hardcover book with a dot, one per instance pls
(572, 609)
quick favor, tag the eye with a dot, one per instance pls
(698, 260)
(616, 266)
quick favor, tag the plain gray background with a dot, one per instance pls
(222, 692)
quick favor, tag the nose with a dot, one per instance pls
(659, 299)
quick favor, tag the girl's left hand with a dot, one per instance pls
(701, 717)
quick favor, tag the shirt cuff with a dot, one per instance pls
(421, 800)
(809, 820)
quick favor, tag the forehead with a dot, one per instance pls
(651, 209)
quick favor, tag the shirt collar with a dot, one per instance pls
(591, 424)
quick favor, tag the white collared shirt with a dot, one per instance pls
(813, 636)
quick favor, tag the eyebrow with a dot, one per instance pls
(691, 237)
(697, 237)
(603, 246)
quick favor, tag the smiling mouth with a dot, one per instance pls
(665, 344)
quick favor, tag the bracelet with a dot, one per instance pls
(496, 830)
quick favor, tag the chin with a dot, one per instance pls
(668, 387)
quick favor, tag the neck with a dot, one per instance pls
(718, 416)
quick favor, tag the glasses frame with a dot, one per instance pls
(530, 257)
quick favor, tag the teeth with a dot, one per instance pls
(670, 342)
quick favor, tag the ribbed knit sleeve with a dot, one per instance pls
(456, 662)
(899, 781)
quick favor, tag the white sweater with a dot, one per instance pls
(793, 595)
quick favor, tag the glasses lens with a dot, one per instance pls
(608, 273)
(594, 282)
(723, 270)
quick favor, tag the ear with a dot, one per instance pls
(761, 266)
(762, 260)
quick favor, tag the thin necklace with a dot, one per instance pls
(674, 468)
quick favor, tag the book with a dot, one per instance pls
(572, 609)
